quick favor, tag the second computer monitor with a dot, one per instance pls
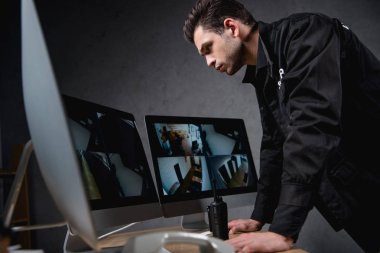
(189, 153)
(114, 167)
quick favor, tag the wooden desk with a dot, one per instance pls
(118, 240)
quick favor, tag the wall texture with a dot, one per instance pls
(131, 55)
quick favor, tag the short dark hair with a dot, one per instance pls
(210, 14)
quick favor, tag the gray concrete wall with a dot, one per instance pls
(131, 55)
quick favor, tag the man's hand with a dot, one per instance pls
(260, 242)
(244, 225)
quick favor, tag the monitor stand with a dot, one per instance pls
(74, 243)
(14, 193)
(194, 222)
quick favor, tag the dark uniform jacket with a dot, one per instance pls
(318, 90)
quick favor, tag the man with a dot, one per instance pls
(318, 90)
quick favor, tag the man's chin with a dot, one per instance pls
(232, 71)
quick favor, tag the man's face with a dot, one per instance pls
(223, 52)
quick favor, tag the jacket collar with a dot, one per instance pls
(253, 72)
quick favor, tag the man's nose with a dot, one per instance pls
(210, 61)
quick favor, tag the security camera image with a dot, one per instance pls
(230, 171)
(190, 156)
(197, 139)
(184, 174)
(180, 175)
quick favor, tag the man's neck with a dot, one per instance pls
(250, 42)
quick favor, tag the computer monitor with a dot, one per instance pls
(113, 163)
(189, 153)
(55, 150)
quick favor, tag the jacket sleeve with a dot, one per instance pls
(270, 166)
(312, 83)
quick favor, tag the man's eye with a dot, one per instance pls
(206, 49)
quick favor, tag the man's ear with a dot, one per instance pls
(231, 26)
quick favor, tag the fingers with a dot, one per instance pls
(241, 242)
(260, 242)
(238, 242)
(242, 225)
(235, 226)
(234, 223)
(238, 228)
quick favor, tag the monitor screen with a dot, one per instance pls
(189, 153)
(108, 198)
(113, 164)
